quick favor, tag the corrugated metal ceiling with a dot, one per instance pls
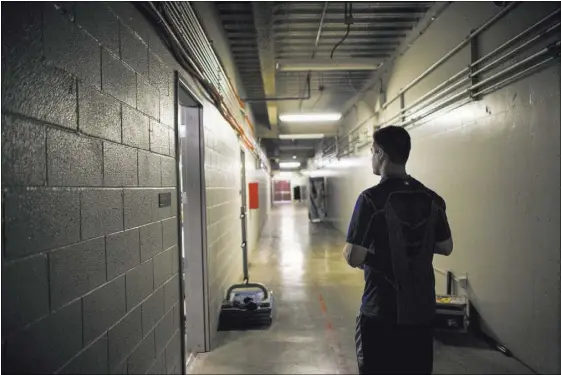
(375, 31)
(237, 19)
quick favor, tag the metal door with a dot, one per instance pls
(192, 223)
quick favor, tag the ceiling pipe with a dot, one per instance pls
(308, 95)
(318, 36)
(308, 77)
(192, 63)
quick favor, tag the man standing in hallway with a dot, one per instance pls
(396, 228)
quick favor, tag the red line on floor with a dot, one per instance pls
(331, 334)
(322, 304)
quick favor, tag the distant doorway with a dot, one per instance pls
(297, 193)
(281, 191)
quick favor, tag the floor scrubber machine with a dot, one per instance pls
(247, 305)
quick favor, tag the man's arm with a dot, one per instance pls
(443, 235)
(358, 239)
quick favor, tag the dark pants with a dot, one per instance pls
(385, 348)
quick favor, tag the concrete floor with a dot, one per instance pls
(317, 298)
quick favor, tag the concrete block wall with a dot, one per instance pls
(223, 182)
(223, 202)
(90, 261)
(222, 157)
(496, 163)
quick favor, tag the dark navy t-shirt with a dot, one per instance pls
(398, 221)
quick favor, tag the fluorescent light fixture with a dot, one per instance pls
(301, 136)
(310, 117)
(313, 172)
(303, 65)
(283, 175)
(351, 162)
(289, 164)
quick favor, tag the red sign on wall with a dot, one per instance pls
(253, 188)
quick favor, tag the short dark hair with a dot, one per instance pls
(395, 142)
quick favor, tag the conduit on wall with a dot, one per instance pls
(180, 27)
(452, 93)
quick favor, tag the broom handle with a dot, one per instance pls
(245, 272)
(244, 244)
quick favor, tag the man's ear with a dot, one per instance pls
(382, 156)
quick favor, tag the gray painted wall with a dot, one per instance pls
(496, 163)
(89, 267)
(257, 217)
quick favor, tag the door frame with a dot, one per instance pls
(193, 211)
(243, 213)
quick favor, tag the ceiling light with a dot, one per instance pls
(303, 65)
(310, 117)
(301, 136)
(284, 175)
(293, 156)
(289, 164)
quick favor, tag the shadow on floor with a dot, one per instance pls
(459, 340)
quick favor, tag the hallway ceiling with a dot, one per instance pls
(268, 38)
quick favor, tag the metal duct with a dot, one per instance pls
(186, 29)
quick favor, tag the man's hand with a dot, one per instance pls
(355, 255)
(444, 247)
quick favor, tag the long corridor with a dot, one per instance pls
(143, 143)
(317, 297)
